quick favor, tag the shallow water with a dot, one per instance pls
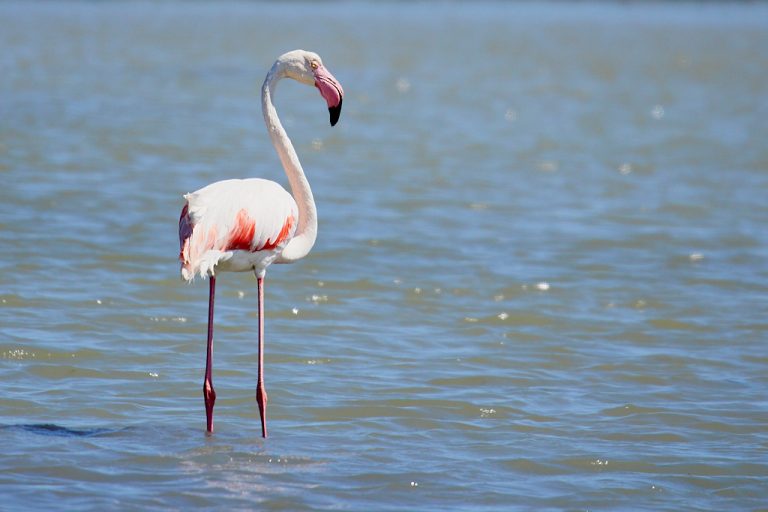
(540, 281)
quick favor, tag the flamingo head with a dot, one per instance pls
(307, 68)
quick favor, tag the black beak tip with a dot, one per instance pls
(335, 113)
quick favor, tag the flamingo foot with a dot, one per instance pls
(210, 399)
(261, 399)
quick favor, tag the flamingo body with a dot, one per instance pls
(243, 225)
(236, 226)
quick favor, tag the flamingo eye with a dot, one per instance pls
(314, 64)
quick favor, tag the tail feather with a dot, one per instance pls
(203, 266)
(196, 247)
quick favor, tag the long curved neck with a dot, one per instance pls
(306, 231)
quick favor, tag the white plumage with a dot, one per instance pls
(235, 225)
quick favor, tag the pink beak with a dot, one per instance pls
(331, 90)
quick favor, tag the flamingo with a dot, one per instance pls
(244, 225)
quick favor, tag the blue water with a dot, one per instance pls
(540, 279)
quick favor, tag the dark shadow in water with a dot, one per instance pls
(49, 429)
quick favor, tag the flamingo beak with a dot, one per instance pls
(330, 89)
(335, 113)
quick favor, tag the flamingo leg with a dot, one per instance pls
(261, 393)
(208, 393)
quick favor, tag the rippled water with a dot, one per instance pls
(540, 281)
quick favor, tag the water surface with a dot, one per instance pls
(539, 284)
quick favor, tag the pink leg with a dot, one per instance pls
(208, 393)
(261, 393)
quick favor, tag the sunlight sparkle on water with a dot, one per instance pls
(18, 353)
(548, 166)
(179, 319)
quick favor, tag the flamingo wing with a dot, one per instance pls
(241, 224)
